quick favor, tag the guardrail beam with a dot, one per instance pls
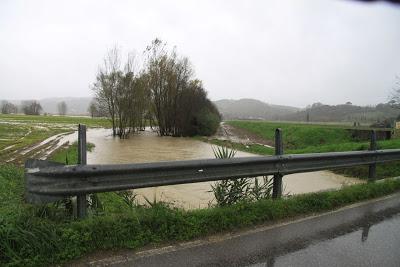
(85, 179)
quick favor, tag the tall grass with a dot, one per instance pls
(297, 136)
(30, 238)
(310, 138)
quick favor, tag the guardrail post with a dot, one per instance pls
(81, 201)
(277, 183)
(372, 167)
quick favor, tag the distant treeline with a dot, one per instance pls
(345, 112)
(162, 92)
(317, 112)
(28, 107)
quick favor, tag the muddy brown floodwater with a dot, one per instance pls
(148, 147)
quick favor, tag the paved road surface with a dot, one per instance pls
(366, 234)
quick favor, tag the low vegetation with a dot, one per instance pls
(303, 136)
(231, 191)
(46, 235)
(55, 120)
(313, 138)
(68, 154)
(20, 135)
(39, 235)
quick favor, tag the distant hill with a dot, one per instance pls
(252, 109)
(344, 112)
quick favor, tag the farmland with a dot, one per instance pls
(21, 135)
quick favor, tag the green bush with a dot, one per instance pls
(207, 122)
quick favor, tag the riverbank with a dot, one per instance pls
(302, 138)
(146, 146)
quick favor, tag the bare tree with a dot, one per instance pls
(8, 107)
(162, 92)
(92, 109)
(62, 108)
(168, 76)
(122, 92)
(31, 107)
(395, 95)
(106, 84)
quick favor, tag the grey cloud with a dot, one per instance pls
(284, 52)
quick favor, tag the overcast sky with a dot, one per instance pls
(281, 52)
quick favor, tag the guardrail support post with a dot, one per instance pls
(277, 183)
(81, 201)
(372, 167)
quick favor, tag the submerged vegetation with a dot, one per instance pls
(163, 92)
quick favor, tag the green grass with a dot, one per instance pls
(45, 235)
(314, 138)
(297, 136)
(69, 155)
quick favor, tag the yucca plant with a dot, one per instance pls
(230, 191)
(262, 190)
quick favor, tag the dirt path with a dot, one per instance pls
(242, 136)
(39, 150)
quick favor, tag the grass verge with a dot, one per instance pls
(69, 154)
(45, 235)
(313, 138)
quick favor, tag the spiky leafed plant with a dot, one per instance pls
(262, 190)
(230, 191)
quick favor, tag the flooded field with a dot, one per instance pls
(148, 147)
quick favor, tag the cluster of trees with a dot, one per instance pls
(8, 107)
(31, 107)
(163, 92)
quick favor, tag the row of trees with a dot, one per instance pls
(162, 91)
(8, 107)
(29, 107)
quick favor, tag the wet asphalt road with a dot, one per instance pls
(363, 235)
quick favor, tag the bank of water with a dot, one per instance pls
(148, 147)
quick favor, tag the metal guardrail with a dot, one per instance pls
(85, 179)
(46, 181)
